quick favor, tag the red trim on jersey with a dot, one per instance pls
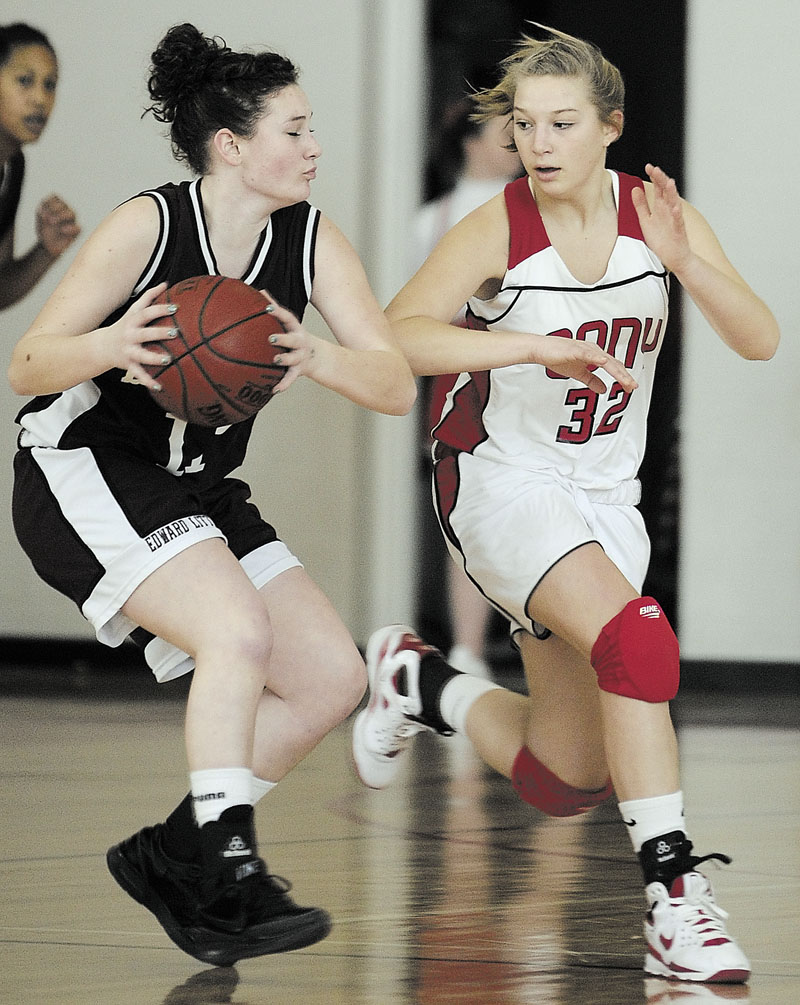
(528, 235)
(628, 220)
(462, 427)
(445, 484)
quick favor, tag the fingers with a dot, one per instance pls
(595, 359)
(56, 225)
(138, 327)
(145, 311)
(617, 372)
(286, 380)
(664, 186)
(55, 211)
(298, 348)
(286, 318)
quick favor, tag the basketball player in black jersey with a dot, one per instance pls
(28, 81)
(133, 514)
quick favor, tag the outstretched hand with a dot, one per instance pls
(661, 219)
(580, 360)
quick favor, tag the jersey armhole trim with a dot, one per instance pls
(310, 243)
(149, 271)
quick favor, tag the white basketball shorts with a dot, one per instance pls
(509, 526)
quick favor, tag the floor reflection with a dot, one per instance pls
(443, 888)
(511, 906)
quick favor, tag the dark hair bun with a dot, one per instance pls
(182, 65)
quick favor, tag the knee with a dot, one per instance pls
(246, 641)
(537, 785)
(343, 686)
(637, 654)
(353, 684)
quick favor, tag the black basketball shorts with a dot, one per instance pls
(96, 523)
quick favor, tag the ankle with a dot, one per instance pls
(666, 857)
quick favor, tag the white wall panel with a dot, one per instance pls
(740, 519)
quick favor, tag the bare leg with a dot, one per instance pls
(579, 731)
(223, 623)
(559, 721)
(469, 610)
(576, 599)
(316, 675)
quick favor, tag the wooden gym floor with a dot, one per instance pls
(444, 888)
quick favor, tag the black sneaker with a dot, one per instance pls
(171, 891)
(237, 894)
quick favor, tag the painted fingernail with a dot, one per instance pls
(273, 339)
(172, 308)
(165, 359)
(269, 309)
(157, 387)
(171, 333)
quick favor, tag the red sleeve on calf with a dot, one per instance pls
(637, 654)
(537, 785)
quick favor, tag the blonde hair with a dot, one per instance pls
(561, 55)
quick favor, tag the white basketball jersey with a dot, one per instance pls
(531, 417)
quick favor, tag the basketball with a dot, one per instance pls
(222, 365)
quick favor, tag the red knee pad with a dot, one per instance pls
(537, 785)
(637, 653)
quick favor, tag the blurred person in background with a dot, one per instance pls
(28, 82)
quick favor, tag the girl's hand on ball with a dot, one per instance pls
(128, 337)
(300, 350)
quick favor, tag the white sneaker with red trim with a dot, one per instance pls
(384, 729)
(686, 937)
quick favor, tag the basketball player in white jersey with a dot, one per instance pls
(535, 480)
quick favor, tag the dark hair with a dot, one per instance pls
(13, 36)
(199, 85)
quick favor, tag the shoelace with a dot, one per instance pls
(396, 736)
(694, 861)
(702, 914)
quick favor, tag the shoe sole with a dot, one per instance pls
(654, 966)
(221, 949)
(375, 644)
(366, 777)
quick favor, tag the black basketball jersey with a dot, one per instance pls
(11, 175)
(110, 412)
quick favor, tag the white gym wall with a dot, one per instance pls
(739, 583)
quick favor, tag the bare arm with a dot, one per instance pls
(56, 229)
(471, 259)
(365, 364)
(64, 346)
(688, 247)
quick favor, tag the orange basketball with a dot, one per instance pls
(222, 365)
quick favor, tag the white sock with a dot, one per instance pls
(261, 787)
(216, 789)
(652, 817)
(459, 695)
